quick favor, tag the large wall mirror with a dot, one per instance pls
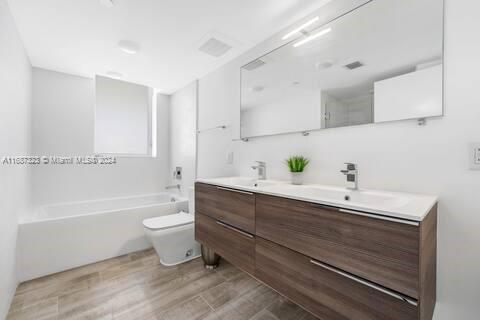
(381, 62)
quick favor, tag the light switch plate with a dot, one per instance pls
(474, 156)
(229, 158)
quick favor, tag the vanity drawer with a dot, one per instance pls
(381, 251)
(236, 246)
(234, 207)
(327, 292)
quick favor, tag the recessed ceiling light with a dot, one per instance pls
(129, 47)
(258, 88)
(303, 26)
(107, 3)
(312, 37)
(114, 74)
(326, 64)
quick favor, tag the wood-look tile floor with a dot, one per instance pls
(136, 286)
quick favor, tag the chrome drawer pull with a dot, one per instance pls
(374, 216)
(234, 229)
(233, 190)
(321, 206)
(365, 283)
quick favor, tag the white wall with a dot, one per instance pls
(63, 125)
(183, 118)
(392, 156)
(218, 104)
(15, 80)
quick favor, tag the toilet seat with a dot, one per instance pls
(169, 221)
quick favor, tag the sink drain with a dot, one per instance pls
(347, 198)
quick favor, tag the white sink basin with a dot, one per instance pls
(236, 181)
(395, 204)
(327, 193)
(245, 182)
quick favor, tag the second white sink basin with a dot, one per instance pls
(359, 197)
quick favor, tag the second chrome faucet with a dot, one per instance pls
(352, 176)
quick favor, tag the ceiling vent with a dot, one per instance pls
(254, 65)
(354, 65)
(215, 47)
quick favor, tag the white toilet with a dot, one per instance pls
(173, 236)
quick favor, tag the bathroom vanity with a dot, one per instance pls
(372, 256)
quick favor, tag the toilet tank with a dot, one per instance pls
(191, 200)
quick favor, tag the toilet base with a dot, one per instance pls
(179, 262)
(175, 245)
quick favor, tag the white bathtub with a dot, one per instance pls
(63, 236)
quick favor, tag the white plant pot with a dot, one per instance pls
(297, 178)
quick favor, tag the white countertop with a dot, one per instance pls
(401, 205)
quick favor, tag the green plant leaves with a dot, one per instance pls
(297, 163)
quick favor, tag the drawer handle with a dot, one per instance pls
(365, 283)
(233, 190)
(235, 229)
(321, 206)
(363, 214)
(374, 216)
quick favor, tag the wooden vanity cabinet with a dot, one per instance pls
(381, 251)
(225, 221)
(335, 263)
(233, 207)
(233, 244)
(325, 291)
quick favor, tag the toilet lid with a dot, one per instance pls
(170, 221)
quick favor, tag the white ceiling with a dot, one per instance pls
(80, 36)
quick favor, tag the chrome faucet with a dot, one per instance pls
(175, 186)
(352, 176)
(262, 170)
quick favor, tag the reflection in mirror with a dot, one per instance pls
(123, 114)
(379, 62)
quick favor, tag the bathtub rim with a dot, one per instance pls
(41, 208)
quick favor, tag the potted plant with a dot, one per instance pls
(296, 165)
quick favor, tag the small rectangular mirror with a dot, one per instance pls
(123, 117)
(382, 61)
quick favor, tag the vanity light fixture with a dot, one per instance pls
(129, 47)
(303, 26)
(312, 37)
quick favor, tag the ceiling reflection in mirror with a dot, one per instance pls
(381, 62)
